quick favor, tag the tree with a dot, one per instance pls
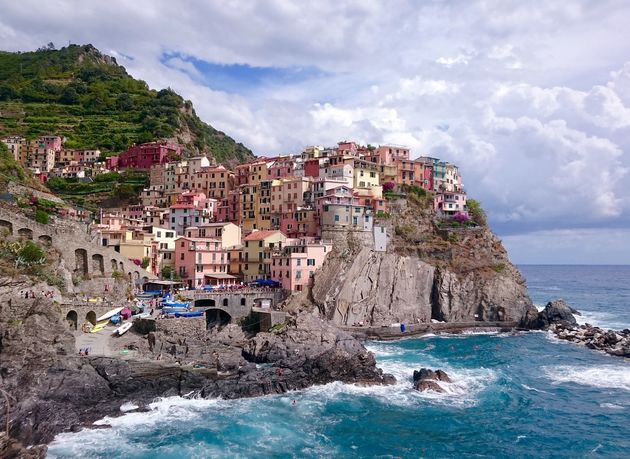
(145, 262)
(477, 214)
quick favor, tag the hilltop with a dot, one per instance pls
(82, 94)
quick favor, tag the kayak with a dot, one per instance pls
(122, 329)
(108, 314)
(99, 326)
(189, 314)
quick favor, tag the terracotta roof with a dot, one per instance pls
(260, 235)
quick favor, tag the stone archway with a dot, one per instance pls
(114, 265)
(91, 317)
(136, 276)
(98, 265)
(72, 317)
(45, 239)
(206, 303)
(25, 233)
(8, 225)
(226, 302)
(217, 318)
(81, 261)
(122, 267)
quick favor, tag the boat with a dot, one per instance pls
(189, 314)
(142, 315)
(108, 314)
(99, 326)
(122, 329)
(173, 310)
(175, 304)
(115, 318)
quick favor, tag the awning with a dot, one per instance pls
(221, 276)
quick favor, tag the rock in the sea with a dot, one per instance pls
(555, 312)
(425, 379)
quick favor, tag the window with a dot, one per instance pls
(310, 262)
(336, 218)
(299, 262)
(159, 234)
(260, 243)
(181, 256)
(182, 244)
(298, 274)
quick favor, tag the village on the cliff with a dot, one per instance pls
(271, 219)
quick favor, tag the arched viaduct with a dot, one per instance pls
(81, 255)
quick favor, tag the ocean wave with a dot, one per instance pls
(612, 406)
(600, 319)
(602, 376)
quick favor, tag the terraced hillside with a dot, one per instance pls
(84, 95)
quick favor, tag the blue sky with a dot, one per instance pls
(531, 99)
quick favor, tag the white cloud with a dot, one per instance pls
(532, 100)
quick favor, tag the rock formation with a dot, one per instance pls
(54, 389)
(426, 379)
(426, 274)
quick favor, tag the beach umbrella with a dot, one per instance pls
(125, 313)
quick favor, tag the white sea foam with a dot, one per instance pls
(533, 389)
(602, 319)
(603, 376)
(612, 406)
(128, 407)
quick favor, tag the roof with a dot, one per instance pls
(261, 235)
(183, 206)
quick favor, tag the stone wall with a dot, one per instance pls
(236, 304)
(80, 255)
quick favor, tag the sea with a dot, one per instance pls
(511, 396)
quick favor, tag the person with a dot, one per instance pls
(293, 403)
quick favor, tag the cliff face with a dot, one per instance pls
(460, 275)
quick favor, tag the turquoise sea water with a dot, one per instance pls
(512, 396)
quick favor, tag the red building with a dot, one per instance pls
(144, 156)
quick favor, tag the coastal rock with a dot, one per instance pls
(555, 312)
(425, 379)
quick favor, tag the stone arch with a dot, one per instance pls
(205, 303)
(45, 239)
(72, 317)
(114, 265)
(217, 318)
(81, 261)
(25, 233)
(98, 264)
(226, 302)
(7, 224)
(122, 267)
(136, 275)
(243, 301)
(91, 317)
(145, 279)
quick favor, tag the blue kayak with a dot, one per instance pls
(173, 310)
(189, 314)
(175, 304)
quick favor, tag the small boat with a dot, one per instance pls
(99, 326)
(122, 329)
(142, 315)
(108, 314)
(189, 314)
(175, 304)
(173, 310)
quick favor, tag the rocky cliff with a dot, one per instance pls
(427, 273)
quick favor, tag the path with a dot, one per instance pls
(97, 342)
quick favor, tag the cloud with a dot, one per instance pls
(532, 100)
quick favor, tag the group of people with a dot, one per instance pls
(84, 351)
(31, 294)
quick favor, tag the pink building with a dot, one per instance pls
(144, 156)
(229, 209)
(199, 258)
(51, 142)
(281, 167)
(304, 222)
(293, 266)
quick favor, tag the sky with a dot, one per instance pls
(531, 99)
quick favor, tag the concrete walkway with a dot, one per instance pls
(97, 342)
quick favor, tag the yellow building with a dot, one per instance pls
(249, 207)
(366, 174)
(257, 250)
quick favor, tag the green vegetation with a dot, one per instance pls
(145, 262)
(117, 275)
(81, 94)
(12, 171)
(477, 214)
(499, 268)
(117, 188)
(41, 217)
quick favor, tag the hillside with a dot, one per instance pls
(84, 95)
